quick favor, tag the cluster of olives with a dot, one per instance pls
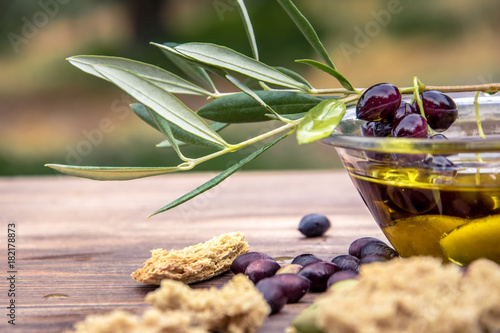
(388, 115)
(289, 283)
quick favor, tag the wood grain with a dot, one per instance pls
(83, 238)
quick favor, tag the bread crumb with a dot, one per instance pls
(416, 294)
(238, 307)
(116, 321)
(194, 263)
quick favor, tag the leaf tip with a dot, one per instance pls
(155, 213)
(157, 44)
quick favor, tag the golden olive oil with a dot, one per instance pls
(444, 214)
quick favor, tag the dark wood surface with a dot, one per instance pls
(83, 238)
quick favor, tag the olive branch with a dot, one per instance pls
(282, 95)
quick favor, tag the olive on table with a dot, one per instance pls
(318, 273)
(347, 262)
(295, 286)
(305, 258)
(341, 276)
(370, 258)
(314, 225)
(274, 294)
(379, 248)
(240, 264)
(357, 245)
(261, 268)
(289, 269)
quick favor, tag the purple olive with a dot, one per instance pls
(318, 273)
(305, 258)
(403, 110)
(357, 245)
(346, 262)
(240, 264)
(261, 268)
(295, 286)
(289, 269)
(467, 204)
(378, 248)
(340, 276)
(368, 128)
(438, 136)
(440, 109)
(314, 225)
(382, 128)
(439, 162)
(412, 200)
(274, 294)
(378, 102)
(373, 258)
(412, 125)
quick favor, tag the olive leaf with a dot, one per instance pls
(181, 135)
(241, 108)
(227, 59)
(320, 121)
(196, 73)
(164, 103)
(333, 72)
(250, 93)
(248, 28)
(162, 78)
(170, 48)
(111, 173)
(164, 127)
(219, 178)
(293, 75)
(216, 126)
(293, 116)
(307, 30)
(142, 112)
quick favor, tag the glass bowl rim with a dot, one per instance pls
(414, 146)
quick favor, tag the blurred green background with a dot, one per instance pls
(51, 112)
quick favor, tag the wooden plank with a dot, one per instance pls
(83, 238)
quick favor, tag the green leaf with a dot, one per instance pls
(250, 93)
(241, 108)
(195, 63)
(111, 173)
(307, 30)
(164, 126)
(162, 102)
(197, 73)
(181, 135)
(142, 112)
(228, 59)
(216, 126)
(248, 28)
(333, 72)
(320, 121)
(219, 178)
(293, 116)
(162, 78)
(294, 75)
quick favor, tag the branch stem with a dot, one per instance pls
(489, 87)
(289, 126)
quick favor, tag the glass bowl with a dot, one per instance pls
(438, 197)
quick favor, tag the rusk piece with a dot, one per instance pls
(194, 263)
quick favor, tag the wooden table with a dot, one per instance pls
(83, 238)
